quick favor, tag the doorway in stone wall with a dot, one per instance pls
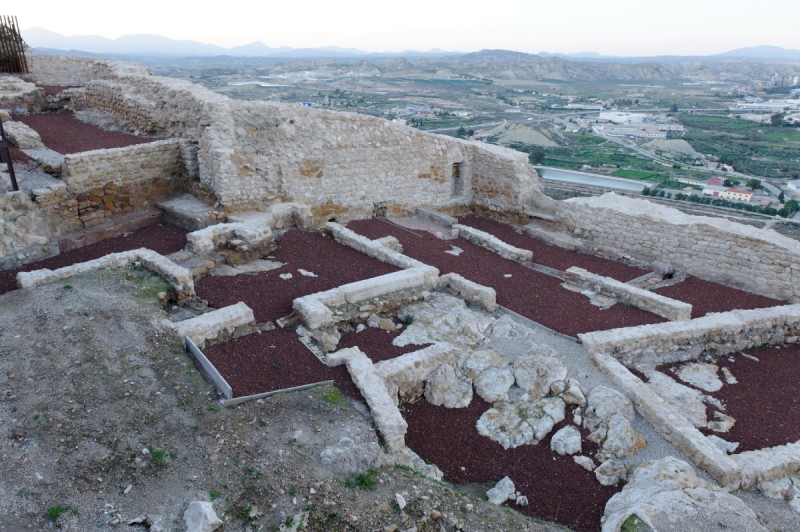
(458, 179)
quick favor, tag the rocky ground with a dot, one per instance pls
(105, 422)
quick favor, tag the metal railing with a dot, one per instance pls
(12, 47)
(5, 156)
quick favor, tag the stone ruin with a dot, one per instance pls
(237, 173)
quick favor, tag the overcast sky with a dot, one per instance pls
(613, 27)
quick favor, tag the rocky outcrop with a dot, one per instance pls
(668, 495)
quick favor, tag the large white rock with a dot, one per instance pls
(349, 456)
(573, 394)
(445, 388)
(481, 360)
(668, 495)
(602, 404)
(503, 491)
(22, 136)
(535, 374)
(566, 441)
(493, 384)
(701, 375)
(201, 517)
(516, 423)
(621, 440)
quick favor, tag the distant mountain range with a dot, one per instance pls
(45, 41)
(157, 46)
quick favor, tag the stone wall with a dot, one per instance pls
(341, 164)
(118, 181)
(677, 341)
(665, 307)
(24, 231)
(756, 260)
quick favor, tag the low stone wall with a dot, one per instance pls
(344, 303)
(20, 96)
(378, 250)
(25, 230)
(675, 428)
(631, 295)
(677, 341)
(65, 71)
(388, 420)
(742, 256)
(215, 326)
(492, 243)
(178, 277)
(405, 376)
(478, 294)
(118, 181)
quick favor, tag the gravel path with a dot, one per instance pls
(706, 297)
(551, 255)
(65, 134)
(533, 294)
(271, 297)
(162, 238)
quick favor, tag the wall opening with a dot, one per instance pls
(458, 179)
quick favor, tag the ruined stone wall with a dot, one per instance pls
(64, 71)
(118, 181)
(342, 164)
(756, 260)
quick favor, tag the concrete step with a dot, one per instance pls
(189, 213)
(554, 236)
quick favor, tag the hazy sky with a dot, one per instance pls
(615, 27)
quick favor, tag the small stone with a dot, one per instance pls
(728, 376)
(128, 489)
(145, 451)
(201, 517)
(566, 441)
(400, 500)
(502, 492)
(585, 462)
(285, 276)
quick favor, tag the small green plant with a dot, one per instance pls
(362, 481)
(213, 495)
(634, 524)
(408, 319)
(333, 395)
(55, 512)
(157, 456)
(67, 286)
(289, 522)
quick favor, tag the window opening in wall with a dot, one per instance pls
(458, 179)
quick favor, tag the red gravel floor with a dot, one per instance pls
(277, 359)
(533, 294)
(705, 297)
(552, 255)
(164, 239)
(271, 297)
(53, 90)
(65, 134)
(274, 360)
(18, 156)
(377, 344)
(557, 488)
(764, 402)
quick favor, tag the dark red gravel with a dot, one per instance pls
(164, 239)
(271, 297)
(273, 360)
(705, 297)
(533, 294)
(377, 344)
(63, 133)
(53, 90)
(557, 488)
(764, 402)
(550, 255)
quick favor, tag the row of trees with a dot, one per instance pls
(787, 211)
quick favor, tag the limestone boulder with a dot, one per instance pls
(573, 393)
(610, 472)
(445, 388)
(502, 491)
(349, 456)
(493, 384)
(527, 421)
(668, 495)
(566, 441)
(621, 440)
(201, 517)
(700, 375)
(479, 361)
(22, 136)
(536, 374)
(602, 404)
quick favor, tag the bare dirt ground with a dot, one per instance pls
(104, 419)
